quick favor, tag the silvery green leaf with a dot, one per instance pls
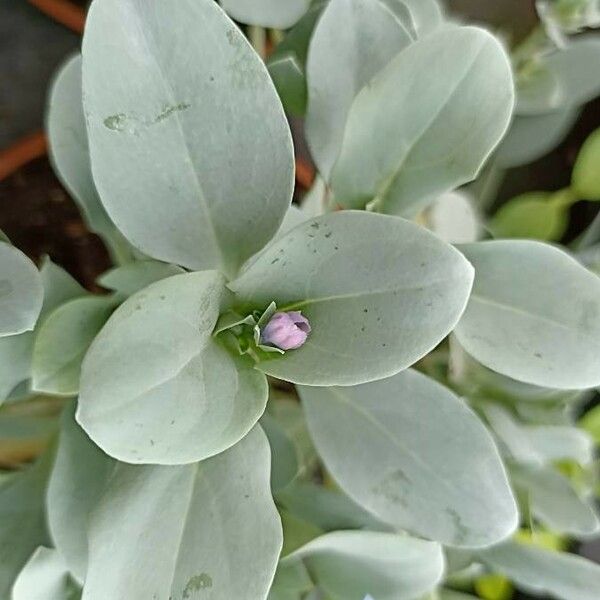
(540, 571)
(21, 291)
(313, 203)
(531, 137)
(210, 529)
(348, 565)
(554, 502)
(379, 292)
(438, 473)
(341, 61)
(77, 481)
(156, 387)
(180, 107)
(45, 577)
(22, 521)
(577, 68)
(70, 157)
(62, 341)
(16, 351)
(538, 92)
(278, 14)
(534, 314)
(135, 276)
(405, 145)
(284, 458)
(454, 219)
(426, 15)
(329, 510)
(539, 444)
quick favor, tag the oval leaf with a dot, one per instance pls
(63, 340)
(543, 571)
(341, 61)
(379, 292)
(438, 473)
(534, 314)
(207, 528)
(405, 145)
(191, 151)
(21, 291)
(156, 387)
(78, 479)
(350, 565)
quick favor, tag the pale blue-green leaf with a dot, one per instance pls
(77, 481)
(45, 577)
(341, 61)
(70, 156)
(554, 502)
(534, 314)
(291, 582)
(135, 276)
(577, 69)
(540, 571)
(62, 341)
(539, 444)
(327, 509)
(16, 351)
(406, 144)
(454, 219)
(531, 137)
(313, 203)
(438, 475)
(191, 151)
(155, 385)
(22, 519)
(348, 565)
(284, 456)
(538, 92)
(204, 530)
(278, 14)
(21, 291)
(426, 15)
(380, 292)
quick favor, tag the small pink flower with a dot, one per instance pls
(286, 330)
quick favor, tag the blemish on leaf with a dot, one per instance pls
(169, 110)
(461, 531)
(197, 583)
(116, 122)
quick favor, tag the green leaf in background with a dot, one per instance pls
(288, 78)
(62, 341)
(413, 454)
(135, 276)
(179, 93)
(374, 309)
(284, 457)
(79, 476)
(21, 291)
(22, 519)
(586, 172)
(45, 577)
(276, 14)
(591, 423)
(405, 145)
(291, 582)
(541, 571)
(341, 61)
(325, 508)
(531, 137)
(209, 529)
(535, 215)
(16, 351)
(70, 155)
(349, 565)
(534, 314)
(554, 502)
(538, 444)
(156, 386)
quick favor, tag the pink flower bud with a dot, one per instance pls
(286, 330)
